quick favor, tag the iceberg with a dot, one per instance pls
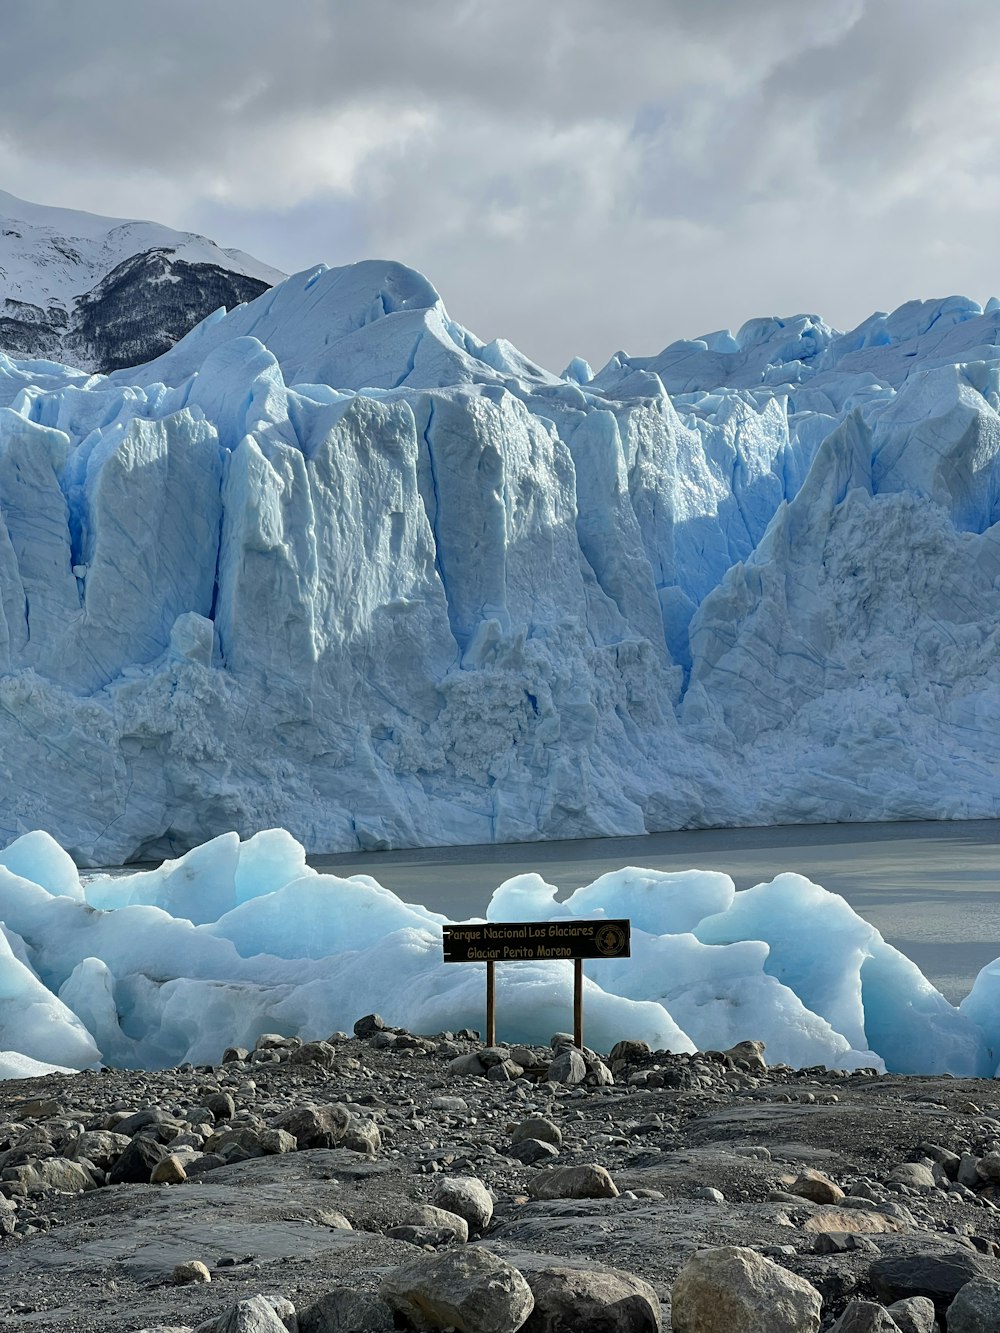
(332, 563)
(153, 968)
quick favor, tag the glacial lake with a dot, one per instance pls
(932, 889)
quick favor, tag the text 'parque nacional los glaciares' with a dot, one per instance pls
(534, 941)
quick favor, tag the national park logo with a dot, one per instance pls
(610, 940)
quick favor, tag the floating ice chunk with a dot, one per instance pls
(38, 857)
(840, 967)
(524, 898)
(982, 1007)
(15, 1065)
(319, 916)
(33, 1022)
(268, 861)
(657, 901)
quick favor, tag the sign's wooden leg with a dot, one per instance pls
(491, 1004)
(578, 1003)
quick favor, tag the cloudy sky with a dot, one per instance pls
(575, 175)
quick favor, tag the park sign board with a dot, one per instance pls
(493, 942)
(535, 941)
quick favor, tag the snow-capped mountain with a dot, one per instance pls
(333, 563)
(102, 293)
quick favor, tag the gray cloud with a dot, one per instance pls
(575, 175)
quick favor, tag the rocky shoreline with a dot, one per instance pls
(387, 1180)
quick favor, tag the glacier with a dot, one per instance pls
(332, 563)
(236, 938)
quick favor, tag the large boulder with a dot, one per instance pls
(736, 1290)
(976, 1308)
(426, 1215)
(254, 1315)
(470, 1290)
(865, 1317)
(136, 1163)
(466, 1196)
(591, 1300)
(315, 1126)
(344, 1310)
(939, 1277)
(587, 1181)
(53, 1173)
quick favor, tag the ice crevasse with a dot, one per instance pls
(333, 563)
(150, 969)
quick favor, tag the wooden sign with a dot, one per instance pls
(536, 941)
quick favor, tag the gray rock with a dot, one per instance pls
(427, 1238)
(750, 1052)
(37, 1108)
(135, 1165)
(53, 1173)
(568, 1067)
(976, 1308)
(630, 1051)
(865, 1317)
(988, 1167)
(736, 1290)
(362, 1136)
(344, 1310)
(275, 1041)
(369, 1025)
(913, 1315)
(537, 1127)
(843, 1242)
(255, 1315)
(192, 1271)
(467, 1197)
(532, 1151)
(315, 1126)
(968, 1171)
(426, 1215)
(317, 1054)
(913, 1174)
(937, 1276)
(591, 1300)
(221, 1106)
(244, 1141)
(470, 1290)
(588, 1181)
(100, 1146)
(169, 1171)
(202, 1162)
(467, 1064)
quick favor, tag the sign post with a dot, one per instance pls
(536, 941)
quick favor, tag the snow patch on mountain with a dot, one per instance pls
(61, 271)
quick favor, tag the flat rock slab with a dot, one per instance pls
(262, 1216)
(209, 1236)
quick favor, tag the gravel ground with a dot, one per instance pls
(697, 1146)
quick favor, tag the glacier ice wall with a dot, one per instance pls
(333, 563)
(233, 939)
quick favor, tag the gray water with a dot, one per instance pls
(932, 889)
